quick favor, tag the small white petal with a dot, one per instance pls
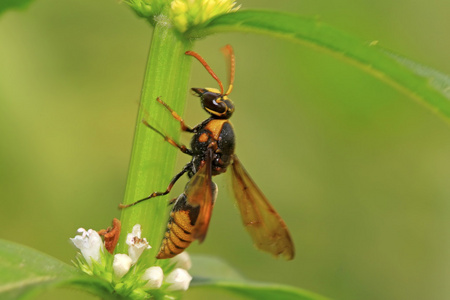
(155, 276)
(135, 250)
(89, 243)
(82, 231)
(136, 245)
(135, 232)
(121, 265)
(182, 260)
(179, 279)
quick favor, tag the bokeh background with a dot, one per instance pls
(359, 172)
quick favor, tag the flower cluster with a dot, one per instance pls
(147, 8)
(188, 13)
(183, 14)
(127, 274)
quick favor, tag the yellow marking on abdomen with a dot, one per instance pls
(173, 248)
(180, 233)
(182, 219)
(177, 241)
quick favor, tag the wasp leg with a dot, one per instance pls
(167, 138)
(172, 201)
(156, 194)
(183, 125)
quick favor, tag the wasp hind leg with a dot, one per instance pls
(157, 194)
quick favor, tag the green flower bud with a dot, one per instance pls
(183, 14)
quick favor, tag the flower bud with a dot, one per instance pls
(121, 265)
(179, 279)
(182, 260)
(154, 277)
(89, 243)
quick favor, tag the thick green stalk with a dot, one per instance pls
(153, 159)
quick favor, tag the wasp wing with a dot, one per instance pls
(267, 229)
(201, 192)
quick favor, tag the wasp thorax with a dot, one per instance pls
(216, 104)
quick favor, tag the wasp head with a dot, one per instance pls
(215, 103)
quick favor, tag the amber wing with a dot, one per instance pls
(267, 229)
(201, 191)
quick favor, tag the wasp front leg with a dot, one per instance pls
(177, 117)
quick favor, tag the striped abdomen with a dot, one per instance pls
(178, 235)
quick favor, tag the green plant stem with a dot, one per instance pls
(152, 159)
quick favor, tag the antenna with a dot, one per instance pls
(207, 67)
(229, 55)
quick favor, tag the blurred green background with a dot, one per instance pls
(358, 171)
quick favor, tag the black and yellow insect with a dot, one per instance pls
(212, 151)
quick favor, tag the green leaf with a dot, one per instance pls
(423, 83)
(13, 4)
(25, 272)
(214, 274)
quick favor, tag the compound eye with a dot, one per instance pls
(213, 103)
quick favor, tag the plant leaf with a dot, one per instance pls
(213, 273)
(25, 272)
(13, 4)
(423, 83)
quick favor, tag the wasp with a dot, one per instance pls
(212, 151)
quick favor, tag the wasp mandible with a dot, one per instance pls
(212, 151)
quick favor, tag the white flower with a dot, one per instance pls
(89, 243)
(121, 265)
(182, 260)
(154, 275)
(136, 245)
(179, 279)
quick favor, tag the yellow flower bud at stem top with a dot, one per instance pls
(183, 14)
(189, 13)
